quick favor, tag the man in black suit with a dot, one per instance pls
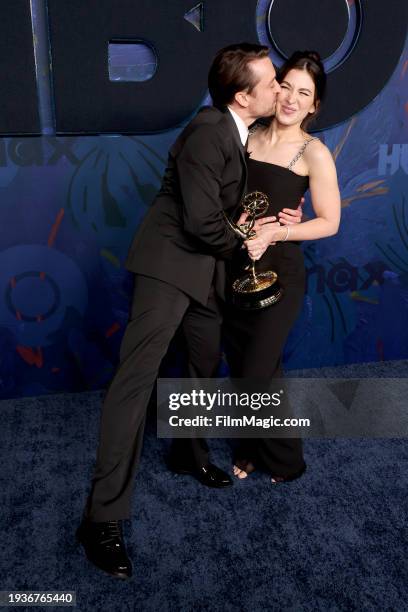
(174, 257)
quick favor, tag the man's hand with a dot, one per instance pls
(242, 218)
(289, 216)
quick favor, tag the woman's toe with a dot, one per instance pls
(277, 479)
(239, 473)
(242, 474)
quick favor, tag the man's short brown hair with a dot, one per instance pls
(230, 71)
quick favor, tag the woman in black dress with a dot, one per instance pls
(284, 161)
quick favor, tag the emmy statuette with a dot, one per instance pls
(253, 291)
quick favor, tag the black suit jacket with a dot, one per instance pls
(184, 233)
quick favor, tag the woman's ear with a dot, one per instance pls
(314, 108)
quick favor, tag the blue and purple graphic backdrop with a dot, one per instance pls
(69, 208)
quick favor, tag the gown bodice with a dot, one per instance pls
(284, 189)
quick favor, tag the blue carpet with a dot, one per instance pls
(334, 540)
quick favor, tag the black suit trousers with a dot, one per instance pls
(158, 309)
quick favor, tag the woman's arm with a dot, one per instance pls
(326, 204)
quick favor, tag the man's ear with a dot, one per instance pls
(241, 97)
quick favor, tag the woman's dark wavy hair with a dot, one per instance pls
(311, 62)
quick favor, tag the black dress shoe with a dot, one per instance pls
(104, 547)
(210, 475)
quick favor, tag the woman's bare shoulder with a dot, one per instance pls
(317, 152)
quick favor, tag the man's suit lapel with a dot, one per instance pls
(241, 148)
(232, 126)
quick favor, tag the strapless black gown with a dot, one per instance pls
(255, 339)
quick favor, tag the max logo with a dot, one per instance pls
(344, 277)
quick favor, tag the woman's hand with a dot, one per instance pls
(266, 234)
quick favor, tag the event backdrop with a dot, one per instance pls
(70, 205)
